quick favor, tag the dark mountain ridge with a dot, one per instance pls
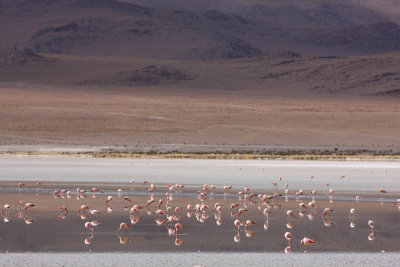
(193, 29)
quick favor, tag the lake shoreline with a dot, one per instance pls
(237, 155)
(214, 156)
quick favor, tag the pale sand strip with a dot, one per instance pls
(206, 259)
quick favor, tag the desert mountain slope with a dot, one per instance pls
(109, 27)
(195, 29)
(286, 73)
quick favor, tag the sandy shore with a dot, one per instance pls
(206, 259)
(207, 151)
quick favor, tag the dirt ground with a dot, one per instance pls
(38, 115)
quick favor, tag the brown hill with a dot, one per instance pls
(286, 73)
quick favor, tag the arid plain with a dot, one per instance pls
(55, 100)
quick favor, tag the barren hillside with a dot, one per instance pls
(195, 29)
(285, 73)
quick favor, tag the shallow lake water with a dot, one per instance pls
(44, 235)
(207, 231)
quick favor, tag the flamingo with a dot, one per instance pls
(64, 212)
(237, 223)
(307, 241)
(249, 223)
(311, 204)
(25, 208)
(88, 240)
(288, 236)
(5, 213)
(371, 224)
(330, 193)
(178, 227)
(88, 226)
(123, 226)
(236, 238)
(94, 213)
(109, 199)
(371, 236)
(95, 223)
(290, 213)
(241, 211)
(124, 240)
(178, 241)
(327, 211)
(352, 212)
(152, 188)
(302, 205)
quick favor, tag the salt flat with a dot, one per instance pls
(359, 175)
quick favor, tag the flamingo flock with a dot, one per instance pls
(21, 211)
(168, 215)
